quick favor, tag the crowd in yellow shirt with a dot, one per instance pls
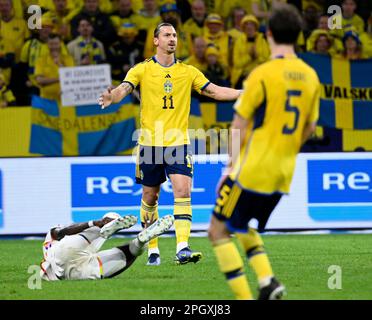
(224, 39)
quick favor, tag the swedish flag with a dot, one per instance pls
(83, 130)
(210, 116)
(346, 98)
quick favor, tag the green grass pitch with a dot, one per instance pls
(301, 262)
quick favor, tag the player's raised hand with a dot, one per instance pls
(105, 99)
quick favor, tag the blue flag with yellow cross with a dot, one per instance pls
(346, 95)
(214, 119)
(82, 130)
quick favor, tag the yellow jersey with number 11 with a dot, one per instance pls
(165, 100)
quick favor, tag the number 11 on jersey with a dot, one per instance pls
(165, 102)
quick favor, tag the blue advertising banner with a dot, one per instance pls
(340, 190)
(99, 188)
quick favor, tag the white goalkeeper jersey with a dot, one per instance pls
(50, 271)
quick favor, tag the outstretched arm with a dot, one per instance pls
(114, 95)
(221, 93)
(59, 233)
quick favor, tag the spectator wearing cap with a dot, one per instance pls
(321, 42)
(249, 51)
(104, 31)
(85, 49)
(353, 47)
(7, 98)
(31, 51)
(149, 15)
(197, 58)
(337, 45)
(124, 53)
(218, 37)
(124, 14)
(195, 25)
(169, 13)
(216, 71)
(13, 30)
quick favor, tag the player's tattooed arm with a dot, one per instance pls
(221, 93)
(60, 233)
(115, 95)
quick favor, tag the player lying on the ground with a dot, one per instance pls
(73, 252)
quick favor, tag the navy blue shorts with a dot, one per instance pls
(237, 207)
(154, 164)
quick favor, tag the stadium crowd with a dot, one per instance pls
(224, 39)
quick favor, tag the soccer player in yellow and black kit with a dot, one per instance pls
(165, 86)
(275, 114)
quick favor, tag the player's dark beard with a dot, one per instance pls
(171, 51)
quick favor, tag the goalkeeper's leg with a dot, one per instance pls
(116, 260)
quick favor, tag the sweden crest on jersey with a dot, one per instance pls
(168, 86)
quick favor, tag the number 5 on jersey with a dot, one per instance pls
(293, 109)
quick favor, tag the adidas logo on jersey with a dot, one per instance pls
(168, 76)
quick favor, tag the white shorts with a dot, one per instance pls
(78, 258)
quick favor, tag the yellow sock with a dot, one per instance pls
(231, 264)
(149, 213)
(182, 220)
(258, 259)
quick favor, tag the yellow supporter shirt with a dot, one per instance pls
(45, 66)
(243, 62)
(194, 61)
(118, 21)
(355, 23)
(165, 100)
(193, 28)
(280, 97)
(147, 23)
(15, 31)
(6, 96)
(224, 43)
(30, 53)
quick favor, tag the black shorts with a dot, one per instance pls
(237, 207)
(154, 164)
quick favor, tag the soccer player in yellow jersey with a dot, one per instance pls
(275, 114)
(166, 85)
